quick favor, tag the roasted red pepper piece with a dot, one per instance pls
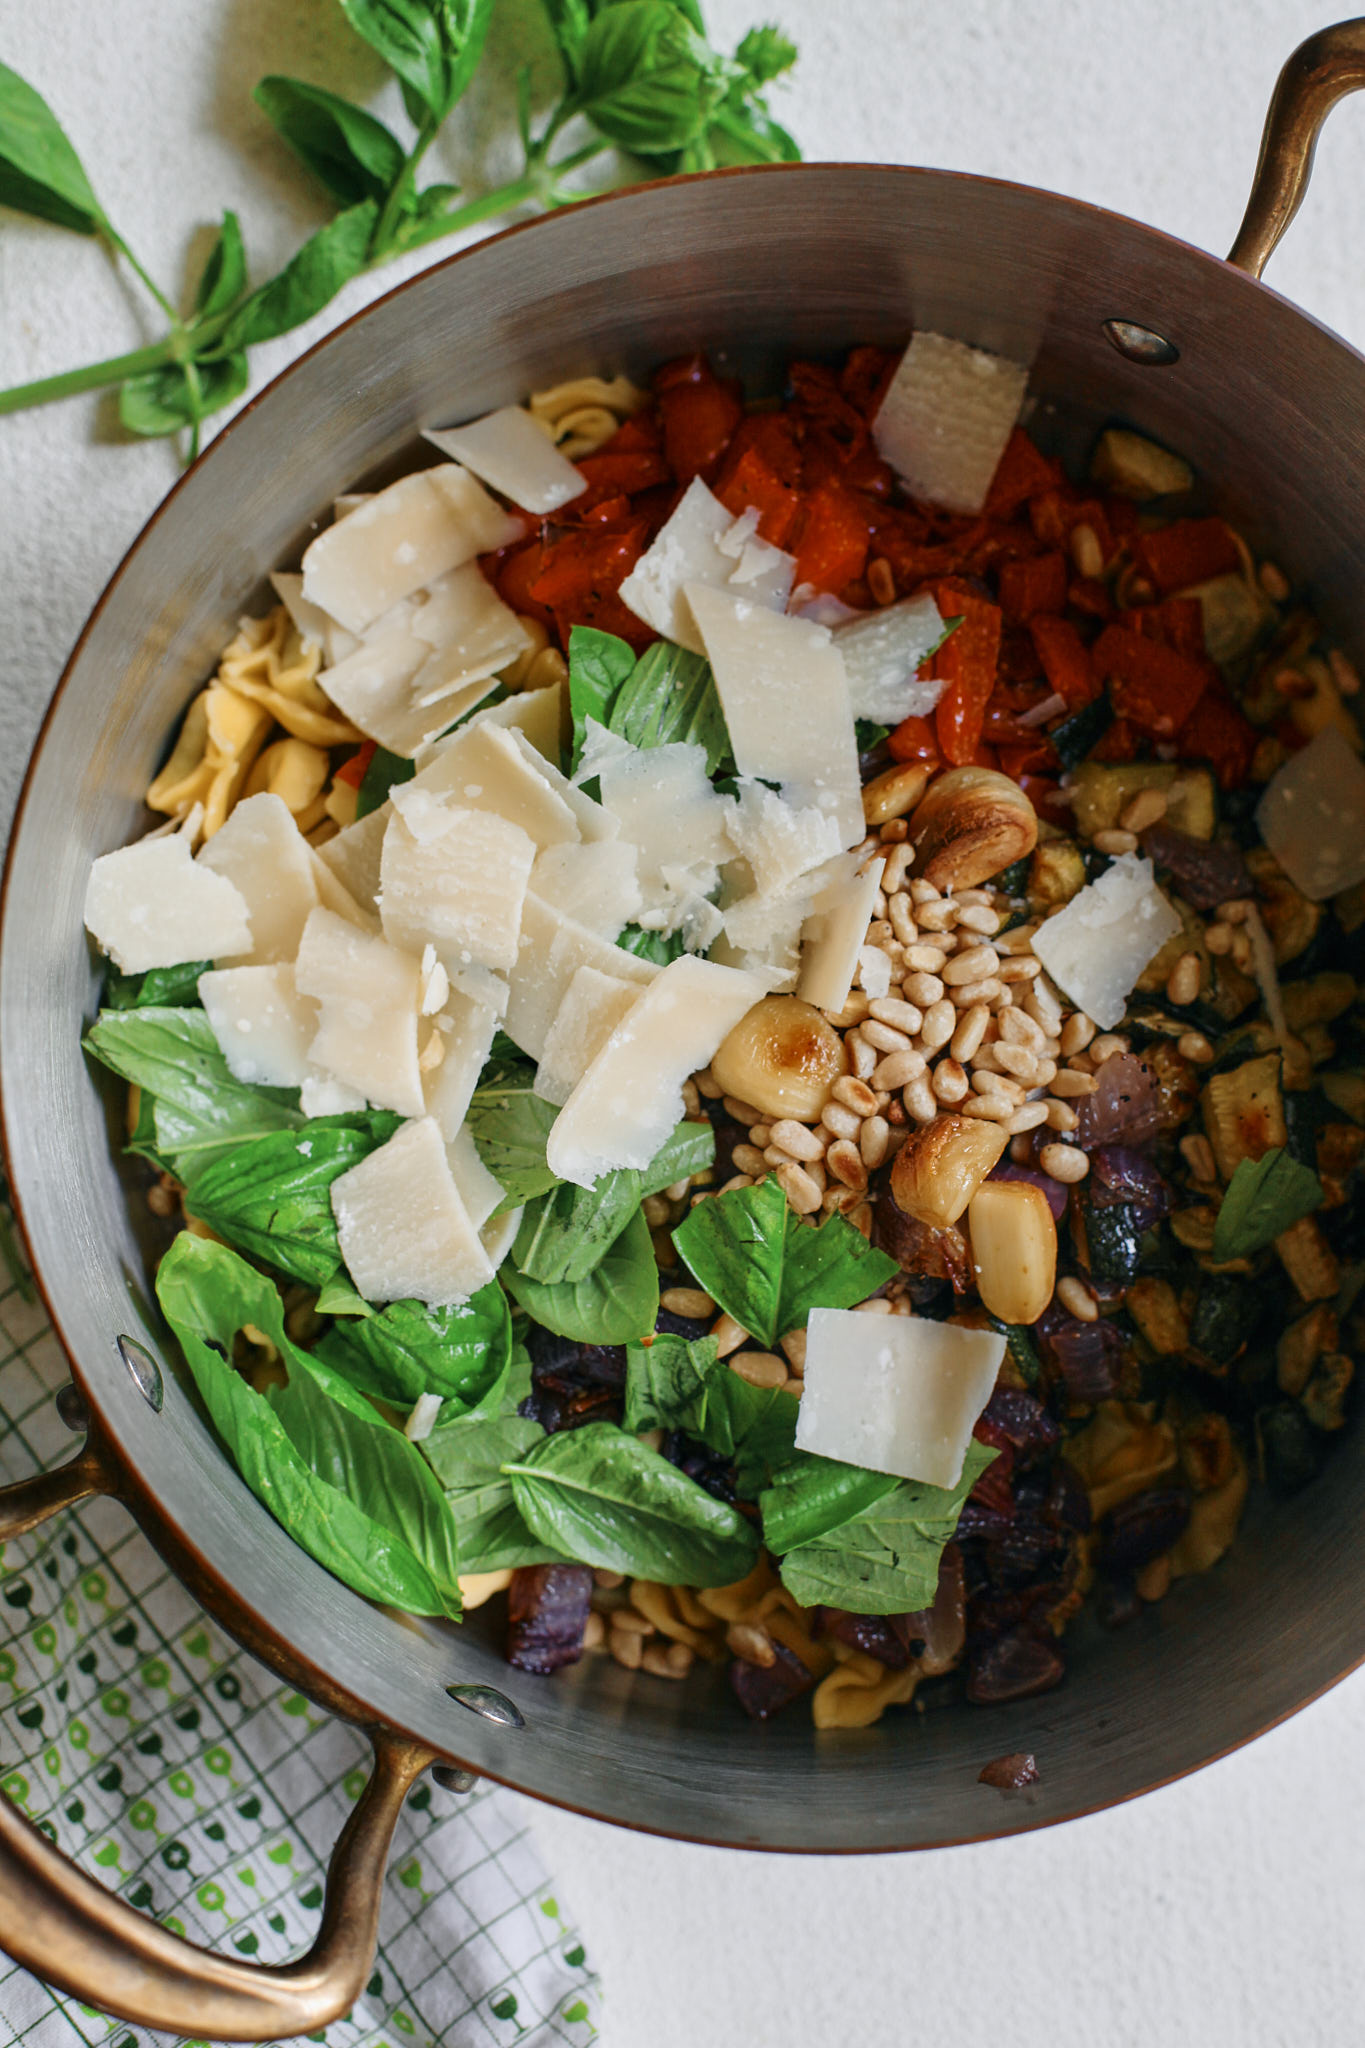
(1057, 513)
(580, 574)
(1151, 685)
(1066, 660)
(1034, 585)
(512, 572)
(914, 739)
(1022, 472)
(699, 414)
(623, 469)
(352, 770)
(1177, 622)
(967, 662)
(1087, 594)
(762, 469)
(865, 376)
(1190, 551)
(1120, 743)
(1217, 732)
(831, 539)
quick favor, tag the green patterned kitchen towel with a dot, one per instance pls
(183, 1774)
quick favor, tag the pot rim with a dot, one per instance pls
(192, 1566)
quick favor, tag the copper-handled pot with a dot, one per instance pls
(1118, 320)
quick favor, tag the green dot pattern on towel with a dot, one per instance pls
(178, 1771)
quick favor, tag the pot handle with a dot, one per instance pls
(72, 1933)
(1323, 70)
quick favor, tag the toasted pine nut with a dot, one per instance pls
(749, 1159)
(996, 1109)
(884, 1036)
(938, 917)
(803, 1193)
(728, 1334)
(760, 1368)
(845, 1162)
(898, 1068)
(862, 1055)
(1020, 967)
(1344, 673)
(607, 1580)
(924, 958)
(919, 1101)
(1218, 937)
(1028, 1118)
(761, 1135)
(798, 1141)
(594, 1633)
(902, 919)
(895, 829)
(895, 792)
(978, 917)
(1114, 841)
(881, 584)
(1077, 1033)
(1043, 1007)
(631, 1622)
(987, 1082)
(1017, 1060)
(1148, 807)
(854, 1094)
(873, 1139)
(1016, 1028)
(1066, 1163)
(751, 1644)
(1077, 1300)
(707, 1085)
(1046, 1074)
(793, 1349)
(842, 1121)
(924, 990)
(626, 1649)
(968, 994)
(1060, 1116)
(1086, 551)
(948, 1081)
(836, 1201)
(897, 861)
(970, 1031)
(687, 1301)
(973, 965)
(899, 1015)
(940, 1023)
(880, 1306)
(742, 1112)
(1069, 1083)
(1273, 582)
(1182, 983)
(1192, 1045)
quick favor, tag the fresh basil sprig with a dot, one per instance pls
(666, 695)
(566, 1234)
(1263, 1198)
(640, 77)
(615, 1303)
(768, 1268)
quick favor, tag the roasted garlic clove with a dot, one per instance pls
(1014, 1249)
(971, 823)
(782, 1057)
(941, 1165)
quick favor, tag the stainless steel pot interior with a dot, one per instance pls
(757, 267)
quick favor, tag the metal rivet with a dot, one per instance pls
(144, 1370)
(451, 1779)
(488, 1701)
(1141, 344)
(71, 1407)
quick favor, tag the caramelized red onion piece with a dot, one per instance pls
(1089, 1356)
(1205, 873)
(764, 1689)
(1122, 1176)
(1125, 1108)
(547, 1612)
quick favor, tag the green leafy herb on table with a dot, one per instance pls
(605, 1498)
(1263, 1198)
(639, 76)
(768, 1268)
(863, 1540)
(307, 1456)
(681, 1383)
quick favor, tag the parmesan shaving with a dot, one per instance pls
(261, 851)
(366, 991)
(703, 543)
(593, 1005)
(882, 652)
(404, 1232)
(263, 1026)
(945, 419)
(456, 877)
(400, 540)
(552, 947)
(895, 1393)
(833, 935)
(153, 905)
(1097, 946)
(509, 451)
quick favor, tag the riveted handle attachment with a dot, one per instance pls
(1323, 70)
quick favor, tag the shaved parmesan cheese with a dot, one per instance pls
(780, 840)
(348, 502)
(703, 543)
(478, 1190)
(466, 1029)
(153, 905)
(601, 747)
(833, 935)
(497, 1237)
(373, 688)
(261, 851)
(264, 1027)
(404, 1232)
(594, 822)
(882, 653)
(366, 991)
(874, 971)
(1096, 947)
(630, 1097)
(352, 858)
(517, 457)
(681, 906)
(593, 1005)
(321, 1096)
(552, 948)
(1312, 816)
(538, 714)
(312, 621)
(471, 632)
(452, 876)
(422, 1417)
(785, 696)
(400, 540)
(762, 936)
(663, 802)
(945, 419)
(483, 768)
(596, 884)
(895, 1393)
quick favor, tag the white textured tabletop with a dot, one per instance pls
(1227, 1909)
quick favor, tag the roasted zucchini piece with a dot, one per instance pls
(1324, 1398)
(1309, 1260)
(1138, 468)
(1244, 1113)
(1100, 790)
(1319, 999)
(1155, 1308)
(1056, 873)
(1235, 613)
(1225, 1319)
(1291, 920)
(1113, 1241)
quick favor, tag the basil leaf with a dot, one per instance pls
(765, 53)
(617, 1301)
(350, 152)
(646, 79)
(510, 1125)
(223, 277)
(468, 1459)
(163, 401)
(383, 771)
(885, 1559)
(651, 945)
(768, 1268)
(1263, 1198)
(869, 734)
(327, 261)
(159, 988)
(599, 664)
(564, 1235)
(337, 1297)
(680, 1383)
(406, 1350)
(433, 45)
(40, 173)
(201, 1109)
(272, 1196)
(207, 1293)
(603, 1497)
(671, 695)
(811, 1497)
(570, 20)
